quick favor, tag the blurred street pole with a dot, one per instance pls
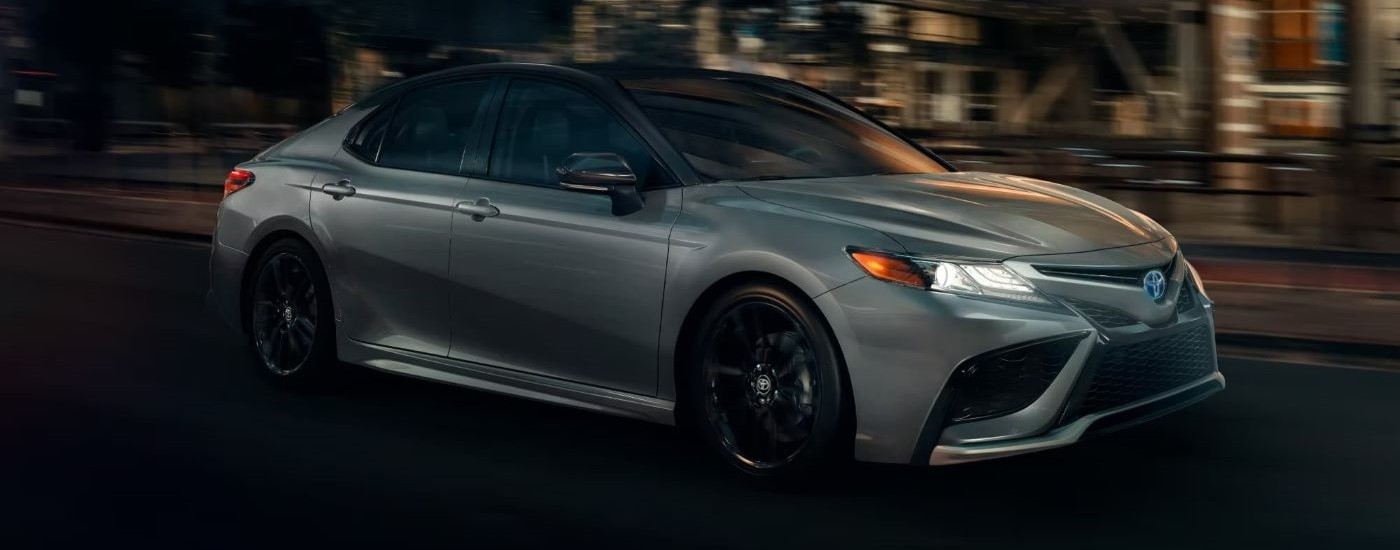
(1188, 43)
(1200, 58)
(1348, 217)
(1347, 177)
(1234, 124)
(7, 89)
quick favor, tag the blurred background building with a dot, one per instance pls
(1093, 67)
(1036, 80)
(1131, 68)
(1122, 68)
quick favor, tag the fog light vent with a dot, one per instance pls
(1008, 380)
(1186, 298)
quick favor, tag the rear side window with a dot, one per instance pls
(431, 129)
(365, 142)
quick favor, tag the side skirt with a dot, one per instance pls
(508, 382)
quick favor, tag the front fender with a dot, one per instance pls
(723, 233)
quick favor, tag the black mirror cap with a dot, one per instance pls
(595, 172)
(604, 174)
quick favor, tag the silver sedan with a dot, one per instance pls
(741, 255)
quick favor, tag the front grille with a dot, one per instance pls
(1103, 315)
(1125, 276)
(1138, 371)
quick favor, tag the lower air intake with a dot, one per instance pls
(1008, 380)
(1134, 372)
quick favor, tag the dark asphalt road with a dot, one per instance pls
(129, 415)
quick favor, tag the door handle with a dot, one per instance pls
(479, 210)
(339, 190)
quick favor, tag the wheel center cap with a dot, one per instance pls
(763, 384)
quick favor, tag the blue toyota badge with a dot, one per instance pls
(1155, 284)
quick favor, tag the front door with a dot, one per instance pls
(383, 210)
(555, 284)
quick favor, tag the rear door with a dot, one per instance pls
(384, 213)
(554, 283)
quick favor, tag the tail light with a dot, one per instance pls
(236, 181)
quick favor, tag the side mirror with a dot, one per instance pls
(595, 172)
(604, 174)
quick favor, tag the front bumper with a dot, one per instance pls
(1085, 426)
(903, 348)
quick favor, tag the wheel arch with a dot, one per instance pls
(269, 234)
(707, 299)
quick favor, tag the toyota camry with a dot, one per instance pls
(741, 255)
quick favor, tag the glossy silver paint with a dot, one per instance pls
(389, 242)
(969, 214)
(557, 265)
(544, 293)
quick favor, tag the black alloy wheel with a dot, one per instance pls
(768, 388)
(289, 313)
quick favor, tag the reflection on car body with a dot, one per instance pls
(739, 253)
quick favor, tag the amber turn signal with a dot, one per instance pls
(890, 268)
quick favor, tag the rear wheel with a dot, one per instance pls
(290, 323)
(766, 389)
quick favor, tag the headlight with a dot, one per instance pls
(1196, 280)
(984, 279)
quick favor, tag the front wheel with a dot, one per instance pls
(290, 322)
(767, 390)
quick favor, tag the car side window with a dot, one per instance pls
(541, 124)
(366, 139)
(432, 127)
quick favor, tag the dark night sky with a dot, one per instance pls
(462, 21)
(468, 22)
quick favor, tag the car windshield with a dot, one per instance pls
(740, 130)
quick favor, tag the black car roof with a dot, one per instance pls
(626, 71)
(610, 70)
(581, 71)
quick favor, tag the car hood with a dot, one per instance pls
(968, 214)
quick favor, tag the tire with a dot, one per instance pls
(765, 386)
(289, 317)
